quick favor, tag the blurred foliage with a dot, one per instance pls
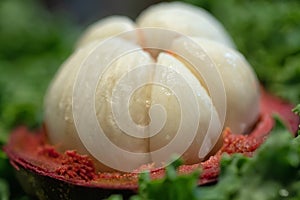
(268, 34)
(4, 191)
(34, 43)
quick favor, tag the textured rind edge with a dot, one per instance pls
(37, 181)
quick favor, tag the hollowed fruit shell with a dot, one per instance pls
(47, 174)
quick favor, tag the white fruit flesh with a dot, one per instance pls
(106, 28)
(156, 126)
(186, 19)
(178, 109)
(58, 103)
(240, 83)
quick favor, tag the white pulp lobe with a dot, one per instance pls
(58, 103)
(105, 28)
(186, 19)
(197, 61)
(187, 119)
(109, 138)
(240, 83)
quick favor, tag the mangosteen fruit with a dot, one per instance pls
(132, 94)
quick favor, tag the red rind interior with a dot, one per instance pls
(31, 151)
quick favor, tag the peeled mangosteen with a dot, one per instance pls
(133, 94)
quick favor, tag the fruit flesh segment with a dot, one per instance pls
(155, 116)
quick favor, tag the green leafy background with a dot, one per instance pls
(34, 42)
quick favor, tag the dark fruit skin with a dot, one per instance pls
(47, 174)
(45, 187)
